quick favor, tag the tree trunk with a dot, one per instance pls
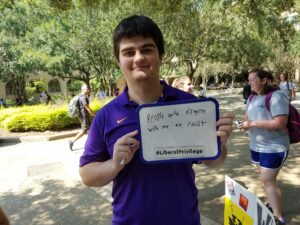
(23, 90)
(192, 67)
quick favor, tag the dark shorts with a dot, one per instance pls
(85, 123)
(269, 160)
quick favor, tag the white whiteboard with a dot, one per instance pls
(184, 130)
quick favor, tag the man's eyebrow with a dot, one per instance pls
(148, 45)
(127, 49)
(143, 46)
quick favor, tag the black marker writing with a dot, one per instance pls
(153, 128)
(151, 118)
(198, 123)
(195, 112)
(174, 113)
(165, 126)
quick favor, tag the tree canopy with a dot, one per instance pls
(73, 39)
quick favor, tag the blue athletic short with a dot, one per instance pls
(269, 160)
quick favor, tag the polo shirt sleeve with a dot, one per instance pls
(95, 149)
(279, 104)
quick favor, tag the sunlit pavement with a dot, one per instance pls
(40, 184)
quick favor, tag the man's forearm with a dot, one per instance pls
(98, 174)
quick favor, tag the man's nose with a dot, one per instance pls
(139, 56)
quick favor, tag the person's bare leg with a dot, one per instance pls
(79, 135)
(272, 190)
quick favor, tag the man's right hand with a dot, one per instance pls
(124, 150)
(98, 174)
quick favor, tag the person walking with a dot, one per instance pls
(3, 103)
(47, 97)
(269, 141)
(84, 114)
(287, 86)
(18, 101)
(142, 193)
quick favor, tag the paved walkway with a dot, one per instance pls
(39, 181)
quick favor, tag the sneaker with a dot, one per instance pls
(71, 145)
(279, 222)
(269, 207)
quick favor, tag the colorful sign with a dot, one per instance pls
(242, 207)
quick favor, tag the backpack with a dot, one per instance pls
(293, 124)
(73, 108)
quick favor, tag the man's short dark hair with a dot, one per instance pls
(134, 26)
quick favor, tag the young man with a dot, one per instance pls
(143, 194)
(84, 114)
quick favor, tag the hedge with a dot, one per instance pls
(41, 117)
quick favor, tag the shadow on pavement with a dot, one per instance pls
(56, 202)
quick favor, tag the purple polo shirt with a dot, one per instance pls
(143, 194)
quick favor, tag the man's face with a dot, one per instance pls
(139, 59)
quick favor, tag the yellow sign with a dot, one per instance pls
(235, 215)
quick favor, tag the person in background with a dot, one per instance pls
(287, 86)
(3, 218)
(269, 142)
(32, 98)
(41, 97)
(116, 92)
(47, 97)
(142, 194)
(18, 101)
(101, 95)
(3, 103)
(84, 114)
(202, 91)
(183, 83)
(246, 91)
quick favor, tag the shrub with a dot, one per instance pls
(40, 117)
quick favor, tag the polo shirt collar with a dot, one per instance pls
(168, 94)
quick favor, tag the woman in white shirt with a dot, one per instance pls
(287, 86)
(269, 142)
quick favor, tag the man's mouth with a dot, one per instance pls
(140, 67)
